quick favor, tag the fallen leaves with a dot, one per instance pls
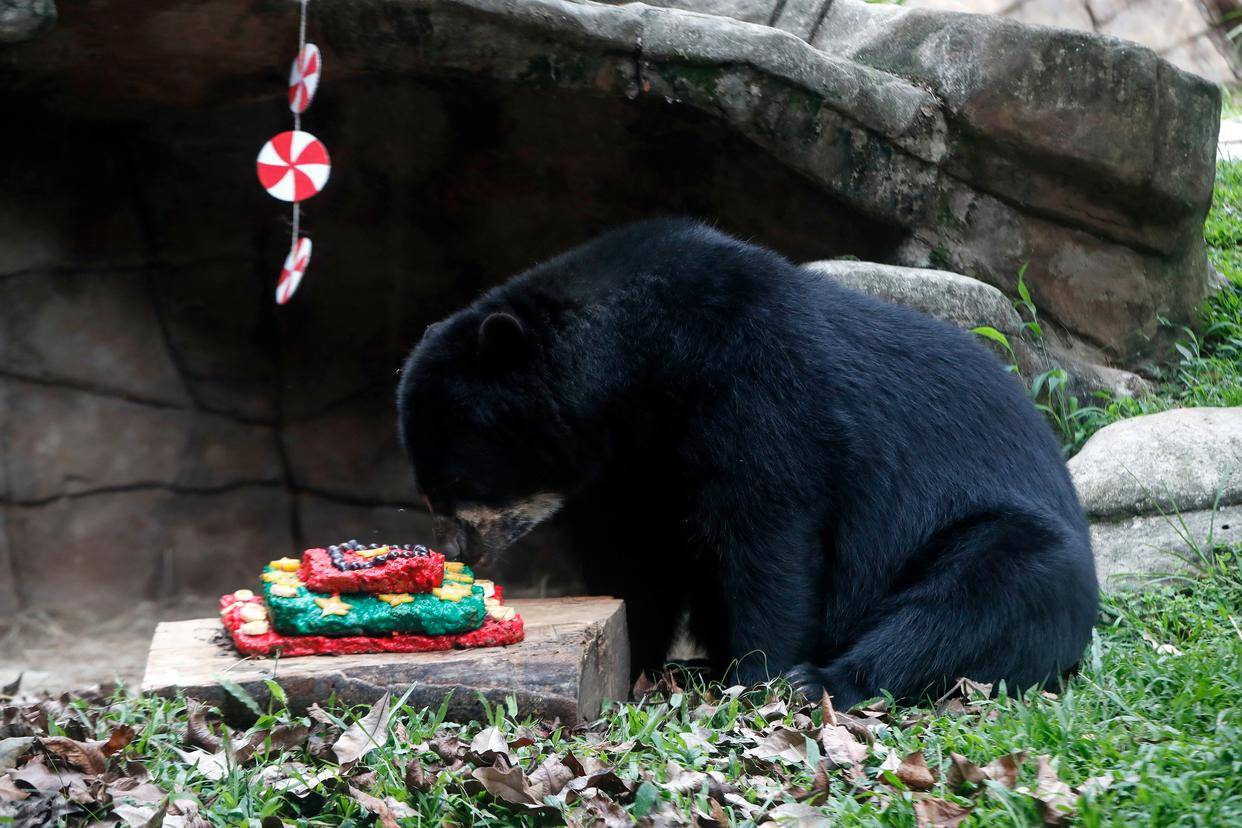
(781, 743)
(387, 810)
(364, 735)
(931, 812)
(685, 756)
(914, 773)
(1056, 800)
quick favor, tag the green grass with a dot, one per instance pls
(1165, 729)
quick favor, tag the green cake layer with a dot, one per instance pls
(366, 614)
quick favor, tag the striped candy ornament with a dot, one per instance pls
(295, 267)
(304, 78)
(293, 166)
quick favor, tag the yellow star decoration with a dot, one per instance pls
(286, 564)
(334, 605)
(371, 553)
(277, 576)
(394, 598)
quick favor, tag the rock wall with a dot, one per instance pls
(1189, 34)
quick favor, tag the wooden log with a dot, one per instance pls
(575, 656)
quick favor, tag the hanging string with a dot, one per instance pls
(297, 121)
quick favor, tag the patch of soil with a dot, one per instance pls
(58, 651)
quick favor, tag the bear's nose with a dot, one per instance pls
(450, 539)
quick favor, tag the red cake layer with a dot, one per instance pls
(418, 574)
(493, 633)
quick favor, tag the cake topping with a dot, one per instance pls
(392, 599)
(352, 555)
(334, 605)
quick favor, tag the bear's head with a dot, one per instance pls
(485, 430)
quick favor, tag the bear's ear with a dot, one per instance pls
(502, 341)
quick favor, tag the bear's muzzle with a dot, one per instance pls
(476, 533)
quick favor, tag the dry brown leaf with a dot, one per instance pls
(196, 820)
(9, 792)
(697, 740)
(1004, 769)
(550, 778)
(782, 743)
(448, 747)
(387, 811)
(118, 740)
(135, 791)
(487, 745)
(841, 749)
(318, 714)
(296, 778)
(198, 731)
(416, 777)
(773, 710)
(1056, 800)
(603, 808)
(714, 818)
(364, 735)
(914, 773)
(600, 778)
(891, 760)
(643, 687)
(1095, 786)
(13, 749)
(680, 780)
(930, 812)
(36, 774)
(827, 714)
(287, 737)
(749, 809)
(962, 772)
(958, 700)
(796, 815)
(141, 816)
(83, 756)
(510, 785)
(214, 766)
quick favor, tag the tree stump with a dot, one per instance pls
(575, 656)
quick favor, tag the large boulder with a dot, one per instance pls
(1162, 489)
(1190, 34)
(969, 304)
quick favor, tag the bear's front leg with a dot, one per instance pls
(770, 590)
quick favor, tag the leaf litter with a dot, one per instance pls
(691, 755)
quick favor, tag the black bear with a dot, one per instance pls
(838, 490)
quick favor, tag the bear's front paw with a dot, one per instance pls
(813, 681)
(807, 679)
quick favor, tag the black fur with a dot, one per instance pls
(839, 490)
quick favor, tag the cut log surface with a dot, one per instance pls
(575, 656)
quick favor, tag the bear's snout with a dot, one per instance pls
(477, 532)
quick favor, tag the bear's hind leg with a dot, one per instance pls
(1008, 596)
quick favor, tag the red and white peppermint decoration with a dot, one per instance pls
(293, 166)
(295, 267)
(304, 77)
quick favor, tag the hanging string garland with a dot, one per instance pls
(294, 165)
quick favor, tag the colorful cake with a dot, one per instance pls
(355, 598)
